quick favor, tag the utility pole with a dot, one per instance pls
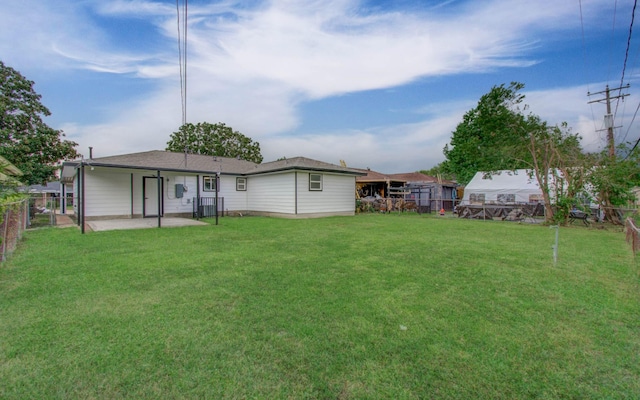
(608, 118)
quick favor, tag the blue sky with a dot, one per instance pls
(379, 84)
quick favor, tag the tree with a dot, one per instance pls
(489, 138)
(25, 140)
(214, 140)
(497, 135)
(556, 163)
(613, 179)
(438, 171)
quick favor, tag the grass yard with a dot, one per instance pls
(372, 306)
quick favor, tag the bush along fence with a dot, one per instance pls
(13, 221)
(633, 236)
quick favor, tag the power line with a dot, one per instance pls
(586, 64)
(613, 29)
(629, 128)
(626, 54)
(182, 56)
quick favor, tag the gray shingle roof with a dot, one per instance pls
(301, 163)
(169, 161)
(195, 163)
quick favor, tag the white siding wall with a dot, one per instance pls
(173, 204)
(107, 192)
(271, 193)
(234, 200)
(337, 194)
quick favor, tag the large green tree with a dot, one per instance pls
(498, 135)
(25, 140)
(215, 140)
(490, 136)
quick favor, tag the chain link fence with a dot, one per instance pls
(15, 218)
(42, 210)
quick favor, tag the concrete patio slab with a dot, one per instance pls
(141, 223)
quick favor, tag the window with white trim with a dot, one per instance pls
(476, 197)
(315, 182)
(241, 184)
(506, 198)
(209, 183)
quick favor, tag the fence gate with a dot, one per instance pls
(42, 209)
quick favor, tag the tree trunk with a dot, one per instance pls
(610, 213)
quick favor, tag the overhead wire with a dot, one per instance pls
(623, 72)
(182, 56)
(611, 46)
(624, 67)
(586, 64)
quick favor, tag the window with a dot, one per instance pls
(315, 181)
(476, 197)
(536, 198)
(506, 198)
(241, 184)
(209, 183)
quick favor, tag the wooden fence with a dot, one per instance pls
(633, 237)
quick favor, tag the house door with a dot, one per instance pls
(151, 206)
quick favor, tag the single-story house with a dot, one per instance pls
(161, 183)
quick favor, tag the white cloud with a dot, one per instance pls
(389, 149)
(252, 67)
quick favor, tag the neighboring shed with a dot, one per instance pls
(373, 183)
(161, 183)
(425, 189)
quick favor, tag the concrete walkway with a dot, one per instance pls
(64, 221)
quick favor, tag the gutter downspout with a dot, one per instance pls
(197, 205)
(159, 200)
(82, 198)
(217, 188)
(296, 193)
(131, 192)
(63, 198)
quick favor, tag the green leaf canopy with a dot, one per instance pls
(215, 140)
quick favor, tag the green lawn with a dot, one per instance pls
(372, 306)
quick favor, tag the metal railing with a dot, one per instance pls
(205, 207)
